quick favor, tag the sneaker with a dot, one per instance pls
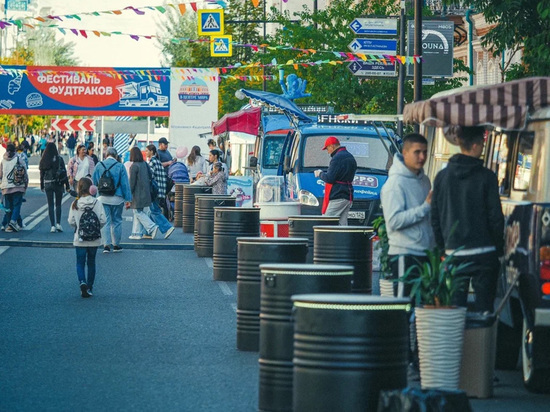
(135, 237)
(84, 290)
(90, 294)
(9, 229)
(52, 230)
(106, 249)
(15, 226)
(154, 232)
(3, 228)
(169, 232)
(59, 228)
(147, 236)
(117, 249)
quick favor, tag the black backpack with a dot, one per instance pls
(17, 176)
(106, 184)
(60, 174)
(89, 228)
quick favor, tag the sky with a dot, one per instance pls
(114, 51)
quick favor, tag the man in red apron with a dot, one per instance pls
(338, 180)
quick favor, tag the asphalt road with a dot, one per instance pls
(159, 333)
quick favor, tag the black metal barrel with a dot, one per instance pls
(348, 348)
(178, 204)
(204, 221)
(229, 224)
(196, 218)
(302, 226)
(188, 210)
(251, 253)
(348, 245)
(279, 283)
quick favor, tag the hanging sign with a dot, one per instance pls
(379, 27)
(375, 69)
(221, 46)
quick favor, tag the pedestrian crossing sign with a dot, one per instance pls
(221, 46)
(210, 22)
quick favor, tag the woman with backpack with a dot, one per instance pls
(53, 179)
(14, 178)
(87, 217)
(80, 166)
(140, 186)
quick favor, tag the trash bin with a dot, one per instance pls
(478, 355)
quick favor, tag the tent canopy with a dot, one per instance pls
(243, 121)
(504, 105)
(274, 100)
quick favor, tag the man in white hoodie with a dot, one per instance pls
(406, 197)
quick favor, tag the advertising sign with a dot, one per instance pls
(241, 188)
(437, 48)
(84, 91)
(194, 106)
(374, 46)
(376, 69)
(380, 27)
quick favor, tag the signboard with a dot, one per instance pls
(375, 69)
(374, 46)
(84, 91)
(19, 5)
(210, 22)
(242, 189)
(437, 48)
(73, 125)
(221, 46)
(379, 27)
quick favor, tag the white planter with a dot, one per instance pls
(386, 288)
(440, 335)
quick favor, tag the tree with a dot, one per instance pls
(519, 24)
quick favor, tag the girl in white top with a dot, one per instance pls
(80, 166)
(195, 163)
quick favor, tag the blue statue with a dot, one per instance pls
(295, 88)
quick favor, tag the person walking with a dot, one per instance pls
(467, 218)
(406, 198)
(42, 144)
(338, 180)
(86, 239)
(159, 175)
(90, 151)
(14, 181)
(195, 163)
(80, 166)
(140, 186)
(53, 179)
(164, 155)
(113, 199)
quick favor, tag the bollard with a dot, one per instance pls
(188, 209)
(302, 226)
(204, 218)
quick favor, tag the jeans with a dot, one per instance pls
(57, 191)
(12, 202)
(112, 231)
(84, 254)
(339, 207)
(159, 218)
(71, 152)
(142, 221)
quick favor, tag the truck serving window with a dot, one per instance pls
(273, 146)
(369, 151)
(523, 165)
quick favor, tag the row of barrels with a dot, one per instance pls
(324, 344)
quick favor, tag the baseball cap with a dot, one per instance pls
(163, 140)
(330, 140)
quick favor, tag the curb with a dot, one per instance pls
(69, 245)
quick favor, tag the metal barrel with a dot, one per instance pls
(279, 283)
(302, 226)
(196, 218)
(229, 224)
(188, 205)
(178, 205)
(348, 348)
(204, 221)
(350, 245)
(251, 253)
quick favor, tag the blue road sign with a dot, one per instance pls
(375, 69)
(374, 46)
(380, 27)
(211, 22)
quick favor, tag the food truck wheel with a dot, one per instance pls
(535, 379)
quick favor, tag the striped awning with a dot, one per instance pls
(504, 105)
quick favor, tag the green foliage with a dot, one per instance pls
(379, 225)
(435, 282)
(518, 24)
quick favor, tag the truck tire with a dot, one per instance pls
(535, 379)
(508, 346)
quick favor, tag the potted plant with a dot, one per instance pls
(382, 246)
(439, 324)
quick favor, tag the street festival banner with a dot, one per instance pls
(84, 91)
(193, 107)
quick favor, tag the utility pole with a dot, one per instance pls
(417, 52)
(402, 70)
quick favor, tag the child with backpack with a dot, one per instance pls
(87, 217)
